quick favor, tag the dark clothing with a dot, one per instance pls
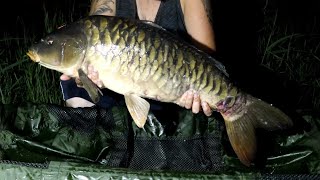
(169, 15)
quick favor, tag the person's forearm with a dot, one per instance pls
(103, 7)
(198, 24)
(208, 8)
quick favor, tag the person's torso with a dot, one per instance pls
(169, 15)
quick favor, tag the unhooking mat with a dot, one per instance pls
(45, 141)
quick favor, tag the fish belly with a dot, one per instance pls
(124, 79)
(141, 60)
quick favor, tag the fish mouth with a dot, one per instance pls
(36, 58)
(49, 66)
(33, 56)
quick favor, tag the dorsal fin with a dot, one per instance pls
(153, 24)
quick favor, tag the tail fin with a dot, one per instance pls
(242, 123)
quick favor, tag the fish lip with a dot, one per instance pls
(33, 55)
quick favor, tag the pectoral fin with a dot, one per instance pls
(138, 108)
(92, 89)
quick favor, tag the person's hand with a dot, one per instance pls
(191, 100)
(94, 76)
(70, 99)
(64, 77)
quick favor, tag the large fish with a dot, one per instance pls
(140, 60)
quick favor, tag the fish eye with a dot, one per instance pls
(50, 42)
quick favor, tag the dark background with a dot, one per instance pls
(237, 25)
(20, 16)
(232, 16)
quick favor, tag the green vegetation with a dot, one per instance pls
(293, 55)
(21, 80)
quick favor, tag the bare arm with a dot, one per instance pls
(208, 8)
(197, 17)
(103, 7)
(198, 23)
(198, 26)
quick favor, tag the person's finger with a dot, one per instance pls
(94, 76)
(189, 100)
(99, 84)
(90, 69)
(196, 103)
(206, 108)
(64, 77)
(97, 81)
(182, 100)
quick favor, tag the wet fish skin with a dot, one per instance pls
(139, 60)
(163, 62)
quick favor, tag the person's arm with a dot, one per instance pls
(196, 17)
(103, 7)
(198, 25)
(189, 99)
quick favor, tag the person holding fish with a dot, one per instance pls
(140, 59)
(189, 19)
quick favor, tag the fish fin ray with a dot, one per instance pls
(153, 24)
(138, 108)
(242, 138)
(218, 65)
(241, 126)
(92, 89)
(269, 117)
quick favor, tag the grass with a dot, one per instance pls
(20, 79)
(294, 55)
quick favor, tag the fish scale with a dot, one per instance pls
(190, 65)
(141, 60)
